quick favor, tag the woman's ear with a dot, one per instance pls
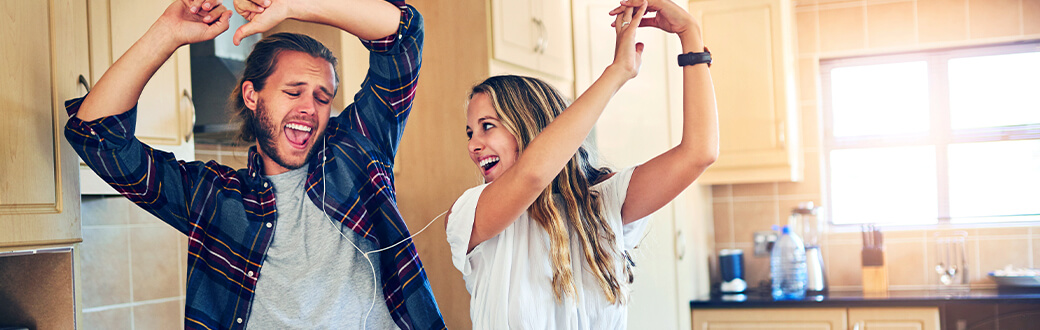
(249, 95)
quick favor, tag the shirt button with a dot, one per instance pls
(250, 274)
(239, 320)
(265, 184)
(268, 225)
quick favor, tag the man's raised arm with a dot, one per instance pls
(366, 19)
(120, 87)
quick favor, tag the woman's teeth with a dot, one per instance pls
(487, 163)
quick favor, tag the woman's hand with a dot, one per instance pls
(670, 17)
(627, 52)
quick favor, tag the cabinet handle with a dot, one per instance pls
(190, 130)
(856, 326)
(542, 42)
(84, 83)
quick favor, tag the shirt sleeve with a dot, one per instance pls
(152, 179)
(617, 186)
(382, 105)
(460, 228)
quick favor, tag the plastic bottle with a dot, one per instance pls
(787, 267)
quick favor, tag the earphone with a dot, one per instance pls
(375, 280)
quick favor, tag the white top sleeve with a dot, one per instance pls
(460, 228)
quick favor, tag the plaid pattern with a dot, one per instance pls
(229, 215)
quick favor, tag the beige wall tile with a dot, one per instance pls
(105, 266)
(756, 269)
(891, 24)
(112, 319)
(996, 253)
(842, 29)
(723, 224)
(843, 262)
(721, 191)
(1036, 253)
(1019, 232)
(942, 20)
(236, 160)
(104, 210)
(140, 216)
(749, 217)
(906, 263)
(810, 184)
(994, 18)
(808, 42)
(155, 268)
(1031, 16)
(159, 316)
(754, 189)
(808, 78)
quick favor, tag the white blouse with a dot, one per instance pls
(509, 276)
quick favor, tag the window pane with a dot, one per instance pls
(884, 185)
(1000, 90)
(994, 179)
(880, 99)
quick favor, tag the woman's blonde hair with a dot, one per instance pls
(525, 106)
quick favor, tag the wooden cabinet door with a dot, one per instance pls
(557, 56)
(908, 318)
(760, 319)
(165, 113)
(518, 33)
(754, 75)
(43, 57)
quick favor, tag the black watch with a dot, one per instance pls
(692, 58)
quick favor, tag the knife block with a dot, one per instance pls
(875, 278)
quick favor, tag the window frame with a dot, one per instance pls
(940, 133)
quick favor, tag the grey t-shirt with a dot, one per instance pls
(312, 277)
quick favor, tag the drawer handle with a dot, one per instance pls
(84, 83)
(190, 130)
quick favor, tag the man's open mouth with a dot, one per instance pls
(298, 134)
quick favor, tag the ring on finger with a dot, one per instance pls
(625, 24)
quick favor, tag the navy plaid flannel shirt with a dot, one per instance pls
(229, 215)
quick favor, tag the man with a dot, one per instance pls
(291, 241)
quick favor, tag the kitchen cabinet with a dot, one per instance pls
(165, 111)
(860, 318)
(533, 34)
(44, 62)
(642, 121)
(752, 42)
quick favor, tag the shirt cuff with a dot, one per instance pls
(112, 129)
(390, 43)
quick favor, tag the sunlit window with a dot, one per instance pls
(950, 136)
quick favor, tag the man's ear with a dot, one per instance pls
(249, 95)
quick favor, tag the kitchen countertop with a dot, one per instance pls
(762, 299)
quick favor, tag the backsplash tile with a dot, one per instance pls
(994, 18)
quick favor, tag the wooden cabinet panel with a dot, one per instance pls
(43, 55)
(908, 318)
(754, 75)
(760, 319)
(533, 34)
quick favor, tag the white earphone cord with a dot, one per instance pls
(375, 280)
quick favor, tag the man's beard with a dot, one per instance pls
(265, 130)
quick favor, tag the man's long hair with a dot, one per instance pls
(526, 106)
(262, 62)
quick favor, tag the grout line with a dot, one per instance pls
(130, 264)
(131, 304)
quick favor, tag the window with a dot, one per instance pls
(950, 136)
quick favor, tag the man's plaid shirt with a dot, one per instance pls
(229, 215)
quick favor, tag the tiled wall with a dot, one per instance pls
(132, 266)
(837, 28)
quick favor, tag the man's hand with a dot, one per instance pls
(670, 17)
(262, 15)
(186, 27)
(366, 19)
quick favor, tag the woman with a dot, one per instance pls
(543, 243)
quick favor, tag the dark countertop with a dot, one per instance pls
(761, 299)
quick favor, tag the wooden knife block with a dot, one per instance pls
(875, 278)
